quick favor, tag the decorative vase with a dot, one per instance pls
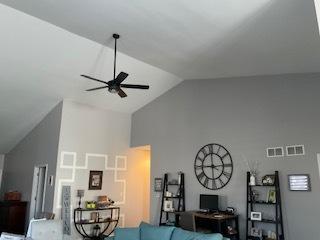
(252, 180)
(179, 177)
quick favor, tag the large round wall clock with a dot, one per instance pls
(213, 166)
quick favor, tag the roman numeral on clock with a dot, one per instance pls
(198, 167)
(221, 182)
(218, 150)
(199, 158)
(224, 155)
(214, 184)
(226, 174)
(201, 175)
(204, 151)
(227, 165)
(206, 180)
(210, 147)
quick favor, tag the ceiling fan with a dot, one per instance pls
(115, 85)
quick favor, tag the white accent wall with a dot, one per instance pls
(97, 139)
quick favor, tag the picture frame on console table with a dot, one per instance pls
(95, 180)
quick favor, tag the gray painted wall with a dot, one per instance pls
(246, 115)
(39, 147)
(1, 161)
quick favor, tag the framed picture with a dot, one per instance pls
(95, 180)
(299, 182)
(256, 216)
(268, 180)
(256, 232)
(271, 196)
(158, 185)
(168, 206)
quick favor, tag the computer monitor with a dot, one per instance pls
(209, 202)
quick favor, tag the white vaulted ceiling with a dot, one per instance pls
(40, 65)
(43, 52)
(196, 39)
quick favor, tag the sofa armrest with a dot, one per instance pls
(226, 238)
(109, 238)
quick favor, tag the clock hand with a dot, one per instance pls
(221, 165)
(211, 166)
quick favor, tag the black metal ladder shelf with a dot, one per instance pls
(277, 221)
(178, 199)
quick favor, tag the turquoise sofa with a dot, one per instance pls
(148, 232)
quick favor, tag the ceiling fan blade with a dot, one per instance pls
(134, 86)
(93, 89)
(121, 77)
(121, 93)
(94, 79)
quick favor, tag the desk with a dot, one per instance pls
(220, 222)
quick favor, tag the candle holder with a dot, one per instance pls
(80, 194)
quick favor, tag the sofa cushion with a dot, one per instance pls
(213, 236)
(149, 232)
(143, 224)
(180, 234)
(127, 234)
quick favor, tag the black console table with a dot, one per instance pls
(105, 226)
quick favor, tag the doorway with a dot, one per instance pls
(38, 190)
(141, 168)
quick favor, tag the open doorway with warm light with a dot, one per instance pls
(141, 173)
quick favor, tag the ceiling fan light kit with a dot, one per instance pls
(115, 85)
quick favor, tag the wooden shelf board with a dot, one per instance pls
(173, 197)
(260, 185)
(265, 221)
(87, 223)
(262, 202)
(96, 209)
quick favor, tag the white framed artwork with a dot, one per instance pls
(256, 216)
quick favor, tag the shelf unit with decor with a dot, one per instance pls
(169, 218)
(278, 222)
(104, 227)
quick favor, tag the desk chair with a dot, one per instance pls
(187, 221)
(46, 230)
